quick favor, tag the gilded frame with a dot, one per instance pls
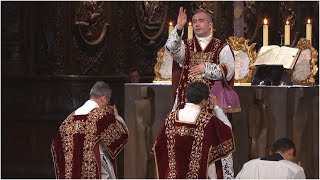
(306, 44)
(241, 44)
(157, 67)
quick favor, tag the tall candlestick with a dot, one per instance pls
(308, 30)
(287, 33)
(190, 31)
(170, 28)
(265, 32)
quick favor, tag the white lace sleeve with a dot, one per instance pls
(120, 119)
(176, 46)
(227, 167)
(226, 58)
(214, 72)
(218, 112)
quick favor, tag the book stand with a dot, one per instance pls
(271, 75)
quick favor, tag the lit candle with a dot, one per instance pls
(287, 33)
(265, 32)
(170, 28)
(308, 30)
(190, 31)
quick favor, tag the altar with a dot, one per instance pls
(267, 113)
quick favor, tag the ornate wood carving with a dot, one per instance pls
(148, 34)
(58, 65)
(119, 66)
(11, 37)
(209, 6)
(151, 17)
(252, 19)
(88, 59)
(226, 20)
(90, 39)
(91, 22)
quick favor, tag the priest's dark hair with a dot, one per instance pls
(196, 92)
(99, 89)
(283, 144)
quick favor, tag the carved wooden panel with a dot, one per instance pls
(58, 64)
(11, 37)
(151, 17)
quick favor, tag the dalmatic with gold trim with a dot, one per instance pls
(185, 150)
(194, 55)
(75, 148)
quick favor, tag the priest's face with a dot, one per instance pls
(201, 24)
(290, 155)
(104, 100)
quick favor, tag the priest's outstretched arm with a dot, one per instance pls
(176, 46)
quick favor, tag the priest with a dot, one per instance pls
(279, 165)
(202, 58)
(90, 138)
(192, 139)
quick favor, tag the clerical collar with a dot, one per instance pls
(273, 157)
(86, 107)
(204, 39)
(193, 106)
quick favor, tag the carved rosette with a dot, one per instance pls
(305, 44)
(241, 44)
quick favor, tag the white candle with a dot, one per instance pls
(265, 32)
(190, 31)
(287, 33)
(170, 28)
(308, 30)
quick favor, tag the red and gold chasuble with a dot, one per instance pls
(185, 150)
(75, 148)
(194, 55)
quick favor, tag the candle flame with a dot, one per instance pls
(287, 22)
(265, 21)
(309, 21)
(170, 23)
(190, 24)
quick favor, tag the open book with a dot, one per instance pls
(275, 55)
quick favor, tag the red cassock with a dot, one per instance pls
(185, 150)
(75, 148)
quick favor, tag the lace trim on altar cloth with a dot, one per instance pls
(227, 167)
